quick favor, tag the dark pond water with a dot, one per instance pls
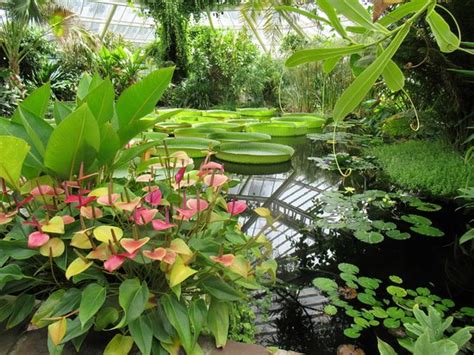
(295, 320)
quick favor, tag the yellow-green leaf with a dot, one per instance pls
(263, 212)
(57, 331)
(55, 226)
(447, 41)
(393, 76)
(54, 246)
(180, 247)
(13, 153)
(119, 345)
(180, 272)
(76, 267)
(106, 233)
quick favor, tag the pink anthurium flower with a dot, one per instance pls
(144, 216)
(180, 174)
(107, 200)
(102, 252)
(133, 245)
(37, 239)
(157, 254)
(207, 168)
(170, 257)
(215, 180)
(236, 207)
(88, 213)
(114, 262)
(185, 214)
(46, 190)
(197, 204)
(25, 201)
(6, 217)
(80, 200)
(154, 197)
(129, 255)
(226, 259)
(159, 225)
(128, 206)
(68, 219)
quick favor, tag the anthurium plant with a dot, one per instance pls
(153, 259)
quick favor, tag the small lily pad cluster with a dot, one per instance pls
(371, 305)
(345, 161)
(349, 212)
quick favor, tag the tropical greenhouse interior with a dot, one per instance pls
(237, 177)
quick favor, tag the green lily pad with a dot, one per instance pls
(257, 112)
(254, 153)
(391, 323)
(278, 129)
(364, 323)
(330, 310)
(368, 282)
(379, 312)
(429, 231)
(396, 234)
(395, 279)
(366, 299)
(395, 312)
(416, 219)
(348, 268)
(351, 333)
(369, 237)
(468, 311)
(228, 137)
(384, 226)
(396, 291)
(325, 284)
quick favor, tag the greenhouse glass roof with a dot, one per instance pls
(118, 16)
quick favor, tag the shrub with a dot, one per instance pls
(429, 167)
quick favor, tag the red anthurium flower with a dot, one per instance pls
(180, 174)
(46, 190)
(157, 254)
(185, 214)
(107, 200)
(197, 204)
(161, 225)
(144, 216)
(6, 217)
(236, 207)
(80, 200)
(129, 255)
(133, 245)
(37, 239)
(226, 259)
(154, 197)
(209, 167)
(215, 180)
(114, 262)
(170, 257)
(68, 219)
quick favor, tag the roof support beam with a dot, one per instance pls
(108, 21)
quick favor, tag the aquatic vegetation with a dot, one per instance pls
(345, 161)
(394, 307)
(363, 215)
(424, 166)
(254, 153)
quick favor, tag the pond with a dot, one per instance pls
(295, 320)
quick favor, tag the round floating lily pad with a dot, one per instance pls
(396, 291)
(189, 112)
(170, 126)
(157, 136)
(330, 310)
(351, 333)
(194, 147)
(395, 279)
(396, 234)
(384, 226)
(254, 153)
(391, 323)
(308, 121)
(325, 284)
(395, 312)
(429, 231)
(240, 137)
(221, 114)
(369, 237)
(257, 112)
(196, 132)
(416, 219)
(366, 299)
(348, 268)
(367, 282)
(196, 119)
(278, 129)
(231, 127)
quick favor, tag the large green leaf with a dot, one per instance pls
(327, 8)
(119, 345)
(354, 11)
(393, 76)
(402, 11)
(36, 103)
(140, 99)
(361, 86)
(109, 144)
(46, 309)
(101, 102)
(133, 298)
(317, 54)
(142, 334)
(93, 297)
(447, 41)
(9, 273)
(177, 314)
(21, 309)
(60, 111)
(38, 129)
(218, 321)
(34, 159)
(13, 153)
(76, 140)
(198, 316)
(385, 348)
(126, 155)
(220, 290)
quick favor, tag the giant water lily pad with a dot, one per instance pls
(221, 114)
(196, 132)
(194, 147)
(239, 137)
(254, 153)
(278, 129)
(257, 112)
(231, 127)
(308, 121)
